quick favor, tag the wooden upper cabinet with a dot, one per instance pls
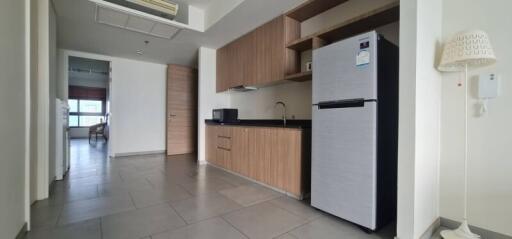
(259, 57)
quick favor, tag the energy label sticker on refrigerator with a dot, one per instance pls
(363, 58)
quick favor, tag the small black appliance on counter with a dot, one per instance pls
(225, 115)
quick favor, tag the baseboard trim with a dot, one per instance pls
(22, 232)
(484, 233)
(139, 153)
(431, 229)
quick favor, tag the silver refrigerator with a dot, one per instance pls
(355, 130)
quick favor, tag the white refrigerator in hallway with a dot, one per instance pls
(355, 130)
(61, 139)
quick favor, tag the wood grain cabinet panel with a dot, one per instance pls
(259, 154)
(240, 151)
(274, 156)
(258, 58)
(181, 135)
(211, 144)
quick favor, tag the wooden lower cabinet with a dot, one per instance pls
(211, 144)
(274, 156)
(240, 151)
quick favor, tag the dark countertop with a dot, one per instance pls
(297, 124)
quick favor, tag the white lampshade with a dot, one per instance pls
(471, 47)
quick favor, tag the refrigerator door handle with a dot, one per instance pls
(352, 103)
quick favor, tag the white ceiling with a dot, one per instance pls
(77, 30)
(203, 4)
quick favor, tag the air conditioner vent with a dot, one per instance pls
(160, 8)
(134, 22)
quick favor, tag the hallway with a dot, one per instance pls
(154, 197)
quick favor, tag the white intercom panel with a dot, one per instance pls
(488, 86)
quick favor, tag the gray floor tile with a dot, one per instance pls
(248, 195)
(286, 236)
(121, 188)
(44, 216)
(330, 227)
(233, 179)
(299, 208)
(148, 197)
(140, 223)
(83, 230)
(94, 208)
(204, 207)
(94, 180)
(102, 192)
(206, 186)
(263, 221)
(63, 195)
(164, 180)
(209, 229)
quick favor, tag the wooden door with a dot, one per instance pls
(181, 110)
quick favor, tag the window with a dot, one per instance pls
(85, 112)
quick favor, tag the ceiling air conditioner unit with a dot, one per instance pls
(162, 6)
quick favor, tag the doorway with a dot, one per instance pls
(89, 109)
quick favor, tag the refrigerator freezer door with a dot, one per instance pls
(346, 69)
(343, 180)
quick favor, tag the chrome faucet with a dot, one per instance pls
(284, 111)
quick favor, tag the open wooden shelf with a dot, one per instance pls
(301, 44)
(300, 77)
(312, 8)
(362, 23)
(351, 27)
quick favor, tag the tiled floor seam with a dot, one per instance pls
(59, 217)
(294, 213)
(101, 227)
(293, 228)
(243, 234)
(177, 213)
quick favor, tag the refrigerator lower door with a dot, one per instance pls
(344, 154)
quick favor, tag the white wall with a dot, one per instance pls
(138, 106)
(53, 88)
(297, 96)
(490, 144)
(218, 9)
(12, 121)
(34, 190)
(138, 103)
(42, 88)
(260, 104)
(209, 99)
(419, 128)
